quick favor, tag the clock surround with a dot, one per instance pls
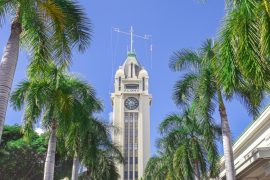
(131, 103)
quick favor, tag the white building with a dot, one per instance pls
(252, 151)
(131, 114)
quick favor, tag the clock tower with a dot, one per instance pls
(131, 115)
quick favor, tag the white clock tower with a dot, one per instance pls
(131, 114)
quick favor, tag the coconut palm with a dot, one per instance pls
(201, 86)
(194, 153)
(47, 29)
(53, 97)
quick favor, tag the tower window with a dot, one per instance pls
(132, 86)
(131, 69)
(131, 160)
(143, 84)
(119, 83)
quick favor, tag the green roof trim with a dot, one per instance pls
(131, 54)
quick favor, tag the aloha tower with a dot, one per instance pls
(131, 115)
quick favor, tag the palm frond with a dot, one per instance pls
(35, 37)
(184, 59)
(5, 9)
(184, 89)
(18, 95)
(78, 26)
(170, 122)
(181, 162)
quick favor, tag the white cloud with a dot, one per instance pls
(39, 131)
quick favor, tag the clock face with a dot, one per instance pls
(131, 103)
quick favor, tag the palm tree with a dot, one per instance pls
(202, 86)
(82, 123)
(77, 132)
(54, 97)
(160, 167)
(47, 29)
(244, 44)
(105, 166)
(99, 155)
(185, 137)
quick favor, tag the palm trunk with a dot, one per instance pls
(227, 141)
(50, 158)
(88, 173)
(196, 170)
(7, 69)
(75, 167)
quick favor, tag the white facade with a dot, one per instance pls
(252, 151)
(131, 115)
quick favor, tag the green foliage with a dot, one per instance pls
(11, 133)
(244, 44)
(58, 97)
(98, 154)
(53, 96)
(51, 28)
(202, 81)
(25, 160)
(160, 167)
(210, 74)
(184, 139)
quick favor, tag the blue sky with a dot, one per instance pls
(173, 24)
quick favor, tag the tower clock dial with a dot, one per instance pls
(131, 103)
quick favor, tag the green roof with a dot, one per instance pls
(131, 54)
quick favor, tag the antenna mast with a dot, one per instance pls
(131, 34)
(131, 39)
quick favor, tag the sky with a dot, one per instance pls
(173, 25)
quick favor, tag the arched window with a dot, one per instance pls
(119, 83)
(131, 68)
(143, 83)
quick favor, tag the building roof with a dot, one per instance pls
(250, 147)
(131, 57)
(131, 63)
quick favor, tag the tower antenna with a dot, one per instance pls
(131, 39)
(132, 35)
